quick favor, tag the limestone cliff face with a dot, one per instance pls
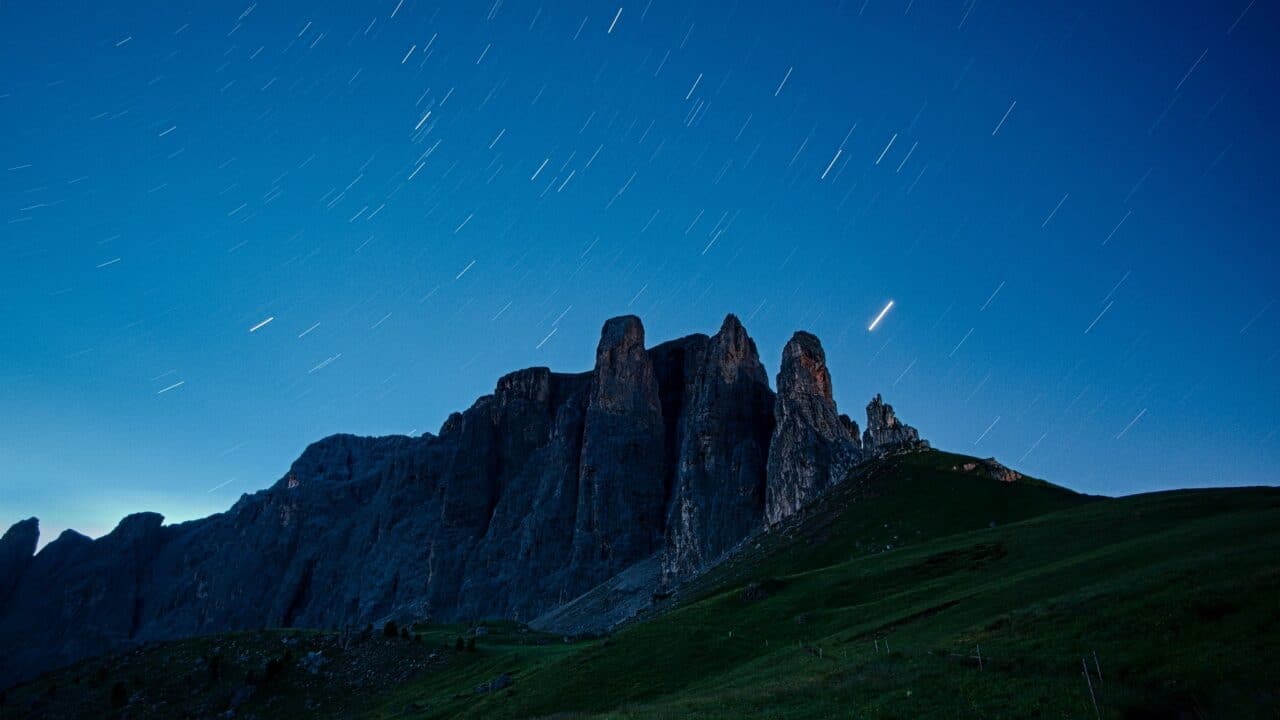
(621, 483)
(720, 471)
(812, 446)
(664, 457)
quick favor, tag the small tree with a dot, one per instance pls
(471, 643)
(390, 630)
(458, 644)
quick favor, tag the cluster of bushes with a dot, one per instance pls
(391, 630)
(274, 668)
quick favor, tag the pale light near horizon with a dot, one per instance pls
(880, 317)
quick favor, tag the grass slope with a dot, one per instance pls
(875, 605)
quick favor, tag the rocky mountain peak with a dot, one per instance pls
(532, 384)
(621, 472)
(811, 448)
(723, 433)
(732, 351)
(623, 377)
(16, 548)
(137, 525)
(653, 466)
(885, 432)
(21, 537)
(804, 368)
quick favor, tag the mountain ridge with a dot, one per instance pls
(540, 491)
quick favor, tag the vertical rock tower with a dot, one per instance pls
(719, 490)
(813, 446)
(620, 470)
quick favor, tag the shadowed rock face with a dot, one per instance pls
(621, 476)
(721, 467)
(16, 548)
(812, 447)
(656, 462)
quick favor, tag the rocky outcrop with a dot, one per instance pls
(720, 470)
(16, 548)
(641, 472)
(79, 597)
(885, 432)
(993, 469)
(621, 475)
(812, 447)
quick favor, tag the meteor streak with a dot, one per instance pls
(880, 317)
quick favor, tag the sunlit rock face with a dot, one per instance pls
(812, 446)
(658, 461)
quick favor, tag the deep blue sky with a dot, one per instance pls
(173, 174)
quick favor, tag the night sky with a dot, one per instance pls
(232, 229)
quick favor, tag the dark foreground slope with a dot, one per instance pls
(871, 603)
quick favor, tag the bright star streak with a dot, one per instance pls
(880, 317)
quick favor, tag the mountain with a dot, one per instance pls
(633, 477)
(927, 585)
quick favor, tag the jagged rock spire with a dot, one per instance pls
(885, 432)
(621, 482)
(727, 418)
(812, 448)
(16, 548)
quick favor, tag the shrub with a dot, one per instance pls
(458, 644)
(119, 695)
(390, 630)
(471, 643)
(273, 670)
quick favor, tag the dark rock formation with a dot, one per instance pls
(597, 486)
(721, 468)
(621, 476)
(993, 469)
(812, 448)
(16, 548)
(885, 432)
(851, 426)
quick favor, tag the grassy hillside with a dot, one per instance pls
(877, 604)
